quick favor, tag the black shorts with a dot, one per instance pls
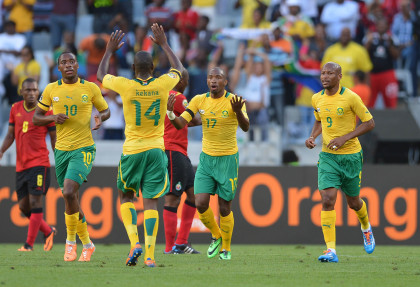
(34, 180)
(181, 172)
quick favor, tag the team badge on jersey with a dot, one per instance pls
(84, 98)
(178, 186)
(55, 99)
(225, 114)
(185, 103)
(340, 111)
(172, 75)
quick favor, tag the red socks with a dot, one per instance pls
(188, 212)
(169, 221)
(34, 224)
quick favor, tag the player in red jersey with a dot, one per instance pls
(32, 163)
(181, 175)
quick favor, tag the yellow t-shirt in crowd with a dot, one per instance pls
(204, 3)
(248, 7)
(21, 15)
(351, 58)
(144, 105)
(337, 114)
(219, 123)
(33, 69)
(75, 101)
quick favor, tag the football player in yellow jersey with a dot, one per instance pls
(340, 162)
(71, 99)
(143, 164)
(217, 173)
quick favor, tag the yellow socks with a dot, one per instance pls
(71, 224)
(207, 218)
(129, 217)
(226, 227)
(362, 214)
(151, 222)
(82, 231)
(328, 227)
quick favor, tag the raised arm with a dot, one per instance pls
(159, 38)
(237, 104)
(8, 140)
(178, 122)
(41, 119)
(113, 45)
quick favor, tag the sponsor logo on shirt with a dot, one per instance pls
(55, 99)
(201, 112)
(172, 75)
(178, 186)
(185, 103)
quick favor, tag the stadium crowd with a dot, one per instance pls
(271, 51)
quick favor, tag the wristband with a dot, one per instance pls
(171, 115)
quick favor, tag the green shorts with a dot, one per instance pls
(75, 164)
(342, 171)
(217, 175)
(146, 171)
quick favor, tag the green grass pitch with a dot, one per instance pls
(251, 265)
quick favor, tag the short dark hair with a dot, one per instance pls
(65, 52)
(143, 61)
(9, 23)
(31, 51)
(29, 80)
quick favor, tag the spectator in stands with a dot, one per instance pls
(361, 87)
(95, 45)
(27, 68)
(415, 51)
(114, 126)
(62, 19)
(402, 29)
(186, 20)
(158, 13)
(11, 43)
(207, 8)
(338, 15)
(248, 10)
(295, 24)
(350, 56)
(21, 13)
(204, 35)
(383, 51)
(258, 21)
(257, 91)
(103, 13)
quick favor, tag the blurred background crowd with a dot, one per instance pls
(271, 50)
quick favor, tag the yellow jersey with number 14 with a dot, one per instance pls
(144, 105)
(75, 101)
(337, 114)
(219, 123)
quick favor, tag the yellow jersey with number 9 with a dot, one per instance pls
(337, 114)
(144, 105)
(75, 101)
(219, 123)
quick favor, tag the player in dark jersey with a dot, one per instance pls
(32, 163)
(181, 175)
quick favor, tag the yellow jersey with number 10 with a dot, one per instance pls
(75, 101)
(337, 114)
(144, 105)
(219, 123)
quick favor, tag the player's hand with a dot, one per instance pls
(159, 36)
(336, 143)
(310, 143)
(171, 102)
(98, 122)
(114, 42)
(60, 118)
(237, 103)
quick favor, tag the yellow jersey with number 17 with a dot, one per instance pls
(219, 123)
(75, 101)
(144, 105)
(337, 114)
